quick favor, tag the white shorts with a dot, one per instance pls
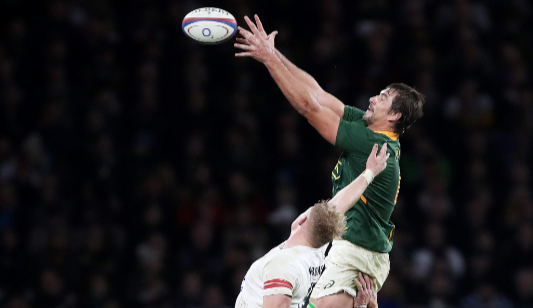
(343, 264)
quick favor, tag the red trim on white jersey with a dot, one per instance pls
(289, 271)
(277, 283)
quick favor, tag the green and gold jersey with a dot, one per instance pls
(368, 221)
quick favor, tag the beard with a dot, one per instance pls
(368, 118)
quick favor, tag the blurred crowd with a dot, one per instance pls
(139, 168)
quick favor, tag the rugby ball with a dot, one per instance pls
(209, 25)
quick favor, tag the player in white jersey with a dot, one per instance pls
(287, 273)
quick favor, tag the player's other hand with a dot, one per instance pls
(365, 290)
(256, 44)
(377, 162)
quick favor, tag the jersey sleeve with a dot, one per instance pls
(351, 134)
(279, 277)
(352, 114)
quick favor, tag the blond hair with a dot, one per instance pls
(324, 224)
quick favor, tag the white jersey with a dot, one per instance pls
(291, 271)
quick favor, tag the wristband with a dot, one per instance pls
(362, 306)
(368, 175)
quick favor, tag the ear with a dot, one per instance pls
(393, 117)
(302, 220)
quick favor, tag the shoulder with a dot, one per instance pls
(351, 133)
(286, 256)
(282, 266)
(293, 259)
(352, 113)
(283, 258)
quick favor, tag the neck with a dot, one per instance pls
(381, 127)
(297, 239)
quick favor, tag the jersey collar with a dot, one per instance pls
(393, 136)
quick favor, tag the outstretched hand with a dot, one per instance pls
(257, 44)
(262, 31)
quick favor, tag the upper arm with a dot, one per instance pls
(325, 121)
(325, 116)
(329, 101)
(279, 276)
(276, 301)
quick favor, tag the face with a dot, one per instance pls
(379, 108)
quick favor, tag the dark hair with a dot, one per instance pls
(409, 103)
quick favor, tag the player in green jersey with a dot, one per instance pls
(369, 238)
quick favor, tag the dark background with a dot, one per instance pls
(139, 168)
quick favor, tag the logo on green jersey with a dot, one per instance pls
(335, 173)
(397, 153)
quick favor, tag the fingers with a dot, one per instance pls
(374, 150)
(272, 35)
(364, 283)
(358, 285)
(245, 47)
(247, 35)
(383, 155)
(252, 26)
(363, 295)
(371, 296)
(383, 150)
(368, 283)
(260, 26)
(367, 289)
(362, 279)
(244, 54)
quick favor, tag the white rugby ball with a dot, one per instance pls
(209, 25)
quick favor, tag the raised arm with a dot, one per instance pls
(307, 101)
(323, 98)
(349, 195)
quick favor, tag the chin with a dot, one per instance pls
(367, 117)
